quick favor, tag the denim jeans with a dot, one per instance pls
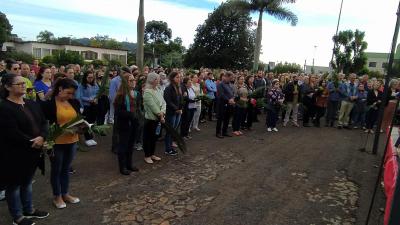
(174, 120)
(60, 164)
(19, 199)
(238, 117)
(272, 116)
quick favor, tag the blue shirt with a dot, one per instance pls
(89, 93)
(41, 87)
(114, 85)
(211, 88)
(333, 94)
(347, 90)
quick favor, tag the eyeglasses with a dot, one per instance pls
(19, 84)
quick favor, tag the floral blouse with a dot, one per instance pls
(274, 95)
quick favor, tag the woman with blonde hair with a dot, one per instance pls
(154, 108)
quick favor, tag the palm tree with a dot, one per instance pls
(271, 7)
(140, 37)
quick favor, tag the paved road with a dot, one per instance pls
(296, 176)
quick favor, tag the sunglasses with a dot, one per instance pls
(16, 68)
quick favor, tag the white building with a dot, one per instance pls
(377, 61)
(317, 69)
(40, 50)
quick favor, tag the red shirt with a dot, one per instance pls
(36, 69)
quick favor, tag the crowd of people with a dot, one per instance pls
(137, 104)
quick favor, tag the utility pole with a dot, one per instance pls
(140, 37)
(337, 30)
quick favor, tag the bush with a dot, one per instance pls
(19, 56)
(49, 60)
(97, 63)
(112, 63)
(68, 57)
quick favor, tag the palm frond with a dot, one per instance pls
(176, 136)
(103, 89)
(276, 10)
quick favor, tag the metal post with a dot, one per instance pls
(387, 80)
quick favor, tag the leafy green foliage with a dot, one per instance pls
(104, 86)
(270, 7)
(64, 58)
(224, 40)
(157, 32)
(287, 68)
(349, 51)
(45, 36)
(104, 41)
(5, 29)
(19, 56)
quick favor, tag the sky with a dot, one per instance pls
(281, 42)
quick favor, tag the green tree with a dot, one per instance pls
(224, 40)
(349, 51)
(271, 7)
(5, 29)
(287, 68)
(172, 60)
(45, 36)
(157, 32)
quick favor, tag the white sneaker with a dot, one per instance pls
(269, 129)
(2, 195)
(274, 129)
(139, 147)
(88, 143)
(94, 142)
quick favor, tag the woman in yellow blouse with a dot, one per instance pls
(60, 109)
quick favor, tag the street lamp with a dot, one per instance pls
(315, 49)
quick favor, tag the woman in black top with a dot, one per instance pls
(22, 134)
(126, 106)
(174, 99)
(374, 99)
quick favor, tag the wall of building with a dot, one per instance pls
(39, 50)
(377, 64)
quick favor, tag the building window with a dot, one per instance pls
(385, 65)
(372, 64)
(89, 55)
(46, 52)
(114, 57)
(122, 59)
(37, 53)
(106, 56)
